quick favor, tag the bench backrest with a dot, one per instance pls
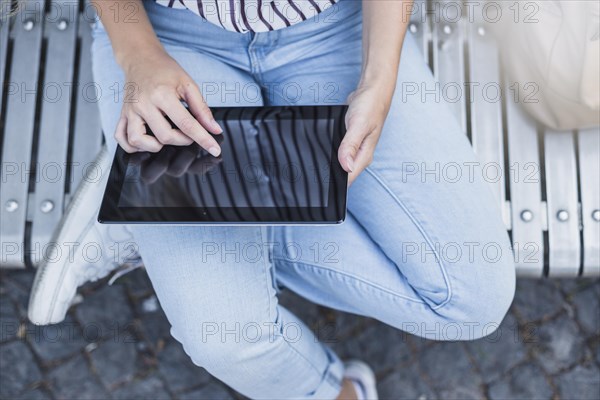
(50, 123)
(546, 182)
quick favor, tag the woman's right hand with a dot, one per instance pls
(155, 86)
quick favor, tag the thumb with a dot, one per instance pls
(349, 147)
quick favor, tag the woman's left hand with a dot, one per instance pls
(368, 108)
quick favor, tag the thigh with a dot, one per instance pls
(196, 271)
(209, 277)
(342, 267)
(174, 256)
(421, 212)
(425, 200)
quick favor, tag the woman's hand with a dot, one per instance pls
(384, 27)
(155, 86)
(366, 114)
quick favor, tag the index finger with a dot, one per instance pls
(199, 109)
(190, 126)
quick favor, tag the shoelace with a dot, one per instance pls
(124, 269)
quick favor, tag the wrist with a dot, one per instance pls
(382, 84)
(130, 56)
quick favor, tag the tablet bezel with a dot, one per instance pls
(334, 213)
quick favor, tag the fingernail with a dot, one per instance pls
(350, 162)
(217, 127)
(214, 151)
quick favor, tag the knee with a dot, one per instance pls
(480, 301)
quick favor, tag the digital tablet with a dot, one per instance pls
(278, 165)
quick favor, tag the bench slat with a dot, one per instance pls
(61, 36)
(419, 28)
(4, 24)
(589, 165)
(87, 137)
(561, 195)
(449, 66)
(19, 131)
(486, 109)
(525, 191)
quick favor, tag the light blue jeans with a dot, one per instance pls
(423, 249)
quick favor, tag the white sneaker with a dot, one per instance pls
(363, 378)
(84, 250)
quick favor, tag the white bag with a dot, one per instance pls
(555, 45)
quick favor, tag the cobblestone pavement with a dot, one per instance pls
(116, 344)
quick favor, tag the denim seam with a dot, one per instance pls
(260, 233)
(423, 233)
(356, 278)
(266, 265)
(255, 65)
(323, 376)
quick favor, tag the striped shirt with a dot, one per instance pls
(252, 15)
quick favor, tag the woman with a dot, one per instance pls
(414, 251)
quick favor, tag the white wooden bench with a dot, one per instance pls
(49, 121)
(547, 183)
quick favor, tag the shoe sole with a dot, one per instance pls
(40, 285)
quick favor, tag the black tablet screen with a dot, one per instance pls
(271, 157)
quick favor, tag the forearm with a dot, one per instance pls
(129, 29)
(384, 28)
